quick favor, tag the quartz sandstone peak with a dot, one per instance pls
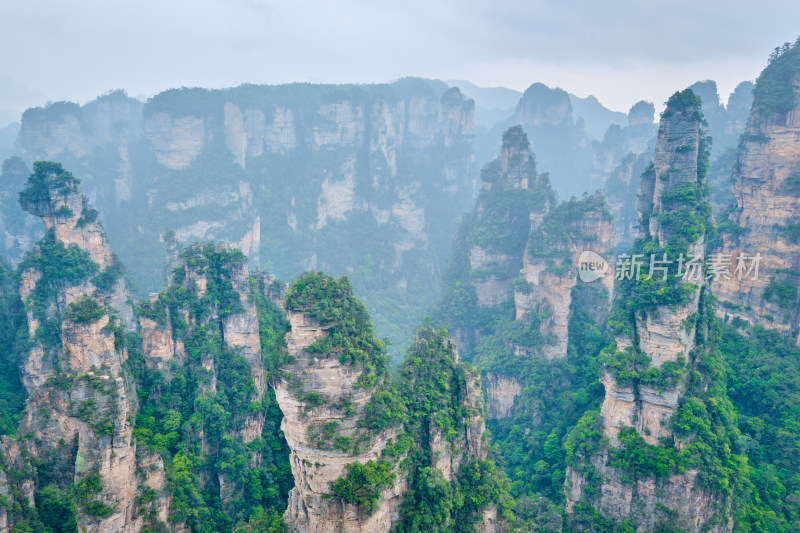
(315, 468)
(764, 220)
(494, 267)
(659, 336)
(78, 389)
(312, 394)
(343, 416)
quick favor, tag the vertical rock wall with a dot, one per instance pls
(764, 220)
(316, 463)
(77, 386)
(658, 336)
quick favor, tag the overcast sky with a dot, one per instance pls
(620, 51)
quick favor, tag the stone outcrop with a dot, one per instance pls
(541, 105)
(493, 267)
(448, 444)
(176, 141)
(576, 140)
(624, 154)
(66, 212)
(550, 272)
(343, 417)
(78, 389)
(764, 220)
(647, 502)
(316, 464)
(376, 165)
(448, 456)
(521, 251)
(500, 395)
(658, 335)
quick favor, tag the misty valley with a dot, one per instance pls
(416, 306)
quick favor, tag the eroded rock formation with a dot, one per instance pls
(513, 195)
(318, 458)
(656, 338)
(79, 392)
(347, 178)
(550, 267)
(361, 443)
(763, 222)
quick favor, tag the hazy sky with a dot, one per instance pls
(620, 51)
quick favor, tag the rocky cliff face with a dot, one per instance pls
(500, 395)
(209, 323)
(446, 419)
(764, 221)
(489, 250)
(350, 179)
(316, 460)
(623, 141)
(335, 376)
(103, 412)
(495, 263)
(362, 442)
(644, 378)
(79, 393)
(513, 298)
(4, 492)
(624, 153)
(550, 267)
(516, 266)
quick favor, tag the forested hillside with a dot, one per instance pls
(219, 402)
(626, 360)
(363, 180)
(639, 420)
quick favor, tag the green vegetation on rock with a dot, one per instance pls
(774, 91)
(12, 322)
(194, 429)
(435, 386)
(363, 483)
(47, 178)
(84, 310)
(331, 304)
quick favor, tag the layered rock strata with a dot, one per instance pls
(760, 254)
(78, 389)
(551, 262)
(316, 466)
(658, 336)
